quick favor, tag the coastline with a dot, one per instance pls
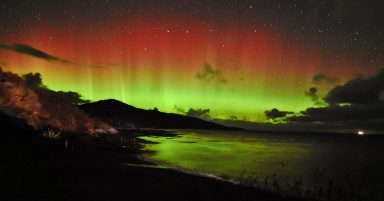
(151, 163)
(42, 169)
(159, 165)
(307, 185)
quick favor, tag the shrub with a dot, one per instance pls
(51, 133)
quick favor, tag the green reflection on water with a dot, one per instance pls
(228, 154)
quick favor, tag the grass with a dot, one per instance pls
(52, 133)
(314, 187)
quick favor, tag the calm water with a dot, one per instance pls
(238, 155)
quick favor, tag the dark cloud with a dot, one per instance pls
(28, 50)
(209, 74)
(199, 113)
(357, 103)
(312, 93)
(320, 79)
(361, 90)
(369, 116)
(322, 84)
(276, 115)
(34, 81)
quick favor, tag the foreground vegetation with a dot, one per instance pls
(87, 168)
(316, 186)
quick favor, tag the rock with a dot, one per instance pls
(41, 108)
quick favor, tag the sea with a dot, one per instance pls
(325, 163)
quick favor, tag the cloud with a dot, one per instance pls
(320, 79)
(322, 84)
(209, 74)
(276, 115)
(31, 51)
(361, 90)
(350, 115)
(28, 50)
(312, 93)
(357, 103)
(34, 81)
(199, 113)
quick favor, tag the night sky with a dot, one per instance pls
(236, 58)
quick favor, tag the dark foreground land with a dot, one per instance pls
(35, 168)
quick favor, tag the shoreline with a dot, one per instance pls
(301, 185)
(158, 165)
(42, 169)
(150, 163)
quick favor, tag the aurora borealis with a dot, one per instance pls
(237, 58)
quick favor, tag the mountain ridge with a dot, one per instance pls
(122, 115)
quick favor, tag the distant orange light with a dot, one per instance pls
(360, 132)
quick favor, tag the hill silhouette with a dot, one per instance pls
(39, 107)
(121, 115)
